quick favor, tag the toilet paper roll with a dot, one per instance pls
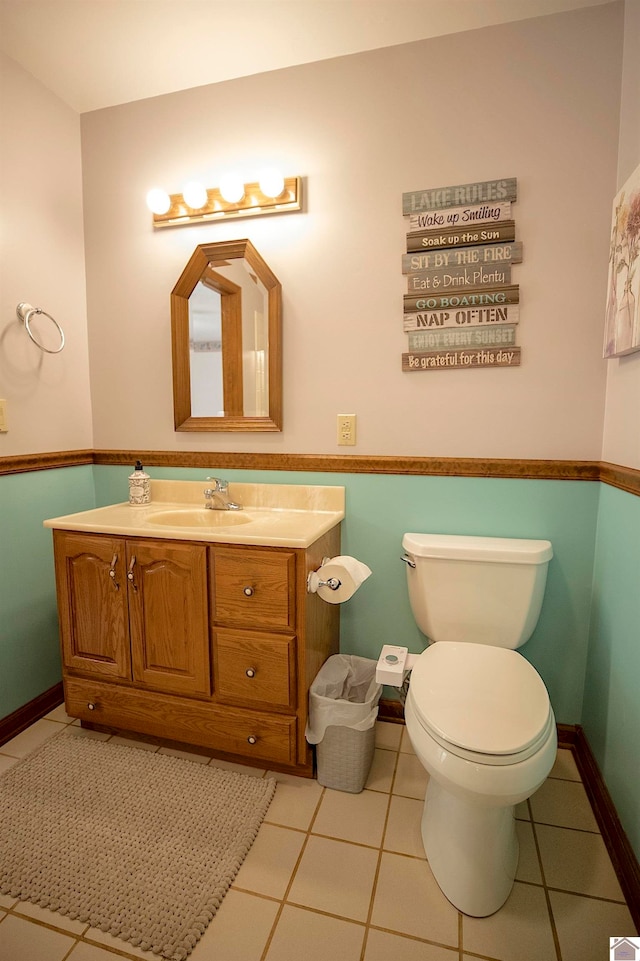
(349, 571)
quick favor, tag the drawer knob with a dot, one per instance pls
(252, 739)
(248, 591)
(91, 706)
(250, 672)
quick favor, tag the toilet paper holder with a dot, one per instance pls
(314, 581)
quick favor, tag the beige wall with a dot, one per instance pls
(621, 444)
(537, 100)
(41, 263)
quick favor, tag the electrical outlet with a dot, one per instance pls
(347, 430)
(3, 417)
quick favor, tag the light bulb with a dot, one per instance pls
(195, 195)
(158, 201)
(271, 182)
(232, 188)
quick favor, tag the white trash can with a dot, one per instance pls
(343, 707)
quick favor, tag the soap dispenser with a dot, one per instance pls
(139, 486)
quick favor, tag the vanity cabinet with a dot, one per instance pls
(211, 645)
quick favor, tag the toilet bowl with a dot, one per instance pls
(481, 724)
(478, 714)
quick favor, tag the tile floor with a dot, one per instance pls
(343, 877)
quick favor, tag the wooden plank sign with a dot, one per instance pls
(483, 214)
(454, 237)
(503, 335)
(467, 317)
(465, 298)
(458, 257)
(462, 359)
(458, 277)
(440, 198)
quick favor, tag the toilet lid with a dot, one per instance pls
(487, 700)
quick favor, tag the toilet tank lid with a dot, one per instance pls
(505, 550)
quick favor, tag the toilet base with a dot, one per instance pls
(472, 850)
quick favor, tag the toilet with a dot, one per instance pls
(477, 713)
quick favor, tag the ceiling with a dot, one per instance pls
(98, 53)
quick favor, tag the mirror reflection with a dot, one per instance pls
(226, 328)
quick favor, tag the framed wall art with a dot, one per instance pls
(622, 321)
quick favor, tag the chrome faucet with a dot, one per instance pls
(217, 496)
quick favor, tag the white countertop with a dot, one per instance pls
(273, 515)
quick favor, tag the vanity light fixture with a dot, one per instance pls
(273, 194)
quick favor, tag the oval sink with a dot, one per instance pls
(198, 517)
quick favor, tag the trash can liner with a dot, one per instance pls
(344, 693)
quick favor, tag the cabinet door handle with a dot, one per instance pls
(248, 591)
(250, 672)
(252, 739)
(130, 576)
(112, 572)
(91, 706)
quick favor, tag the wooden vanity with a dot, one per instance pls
(206, 639)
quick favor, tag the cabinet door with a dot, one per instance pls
(168, 616)
(92, 603)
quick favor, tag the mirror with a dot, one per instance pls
(226, 330)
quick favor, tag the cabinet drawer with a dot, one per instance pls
(254, 588)
(248, 734)
(255, 669)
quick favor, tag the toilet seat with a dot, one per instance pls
(485, 704)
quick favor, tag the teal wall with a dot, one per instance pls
(586, 645)
(380, 508)
(611, 715)
(29, 650)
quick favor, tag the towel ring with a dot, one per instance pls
(25, 312)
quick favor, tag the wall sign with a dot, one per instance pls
(461, 309)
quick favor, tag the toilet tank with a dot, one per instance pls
(483, 590)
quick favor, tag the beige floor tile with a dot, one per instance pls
(239, 931)
(52, 918)
(382, 770)
(411, 778)
(185, 755)
(335, 877)
(520, 929)
(403, 834)
(522, 811)
(406, 747)
(528, 863)
(268, 866)
(565, 766)
(408, 901)
(33, 737)
(584, 925)
(91, 952)
(577, 861)
(134, 742)
(388, 735)
(22, 940)
(563, 803)
(6, 901)
(6, 762)
(383, 946)
(118, 945)
(59, 713)
(295, 802)
(352, 817)
(238, 768)
(79, 731)
(314, 937)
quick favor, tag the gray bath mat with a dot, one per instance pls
(141, 845)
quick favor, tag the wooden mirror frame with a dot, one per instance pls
(204, 260)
